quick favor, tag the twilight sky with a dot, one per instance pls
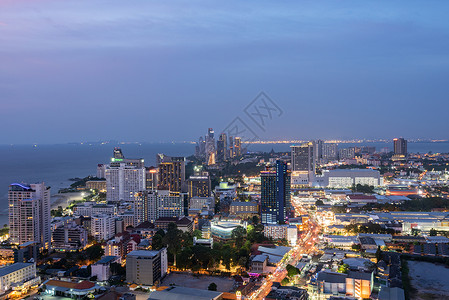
(167, 70)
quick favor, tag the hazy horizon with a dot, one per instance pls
(165, 71)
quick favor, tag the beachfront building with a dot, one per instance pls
(124, 178)
(29, 214)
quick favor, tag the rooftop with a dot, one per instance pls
(183, 293)
(143, 253)
(360, 275)
(107, 260)
(12, 268)
(332, 277)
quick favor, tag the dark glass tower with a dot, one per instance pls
(275, 194)
(400, 146)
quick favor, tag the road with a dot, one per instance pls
(307, 245)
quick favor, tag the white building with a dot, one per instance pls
(18, 276)
(123, 181)
(344, 178)
(29, 214)
(102, 268)
(277, 232)
(88, 209)
(103, 227)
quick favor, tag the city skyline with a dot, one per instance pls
(368, 71)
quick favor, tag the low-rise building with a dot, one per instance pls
(278, 232)
(102, 268)
(99, 185)
(178, 292)
(359, 284)
(259, 264)
(222, 230)
(185, 224)
(244, 209)
(18, 276)
(331, 283)
(76, 290)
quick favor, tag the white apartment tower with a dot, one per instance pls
(29, 214)
(123, 182)
(103, 227)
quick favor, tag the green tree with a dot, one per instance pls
(226, 256)
(157, 242)
(172, 240)
(433, 232)
(94, 252)
(255, 220)
(197, 233)
(285, 281)
(185, 259)
(319, 202)
(344, 268)
(291, 270)
(238, 235)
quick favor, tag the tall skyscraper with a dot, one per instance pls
(318, 151)
(329, 152)
(231, 147)
(303, 158)
(124, 177)
(29, 214)
(400, 146)
(222, 148)
(210, 147)
(151, 178)
(171, 173)
(275, 194)
(237, 146)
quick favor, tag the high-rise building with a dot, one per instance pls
(123, 182)
(222, 148)
(103, 227)
(149, 206)
(211, 152)
(124, 177)
(171, 173)
(69, 236)
(329, 152)
(237, 146)
(146, 267)
(400, 146)
(199, 186)
(151, 178)
(303, 158)
(346, 153)
(318, 151)
(275, 194)
(231, 147)
(29, 214)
